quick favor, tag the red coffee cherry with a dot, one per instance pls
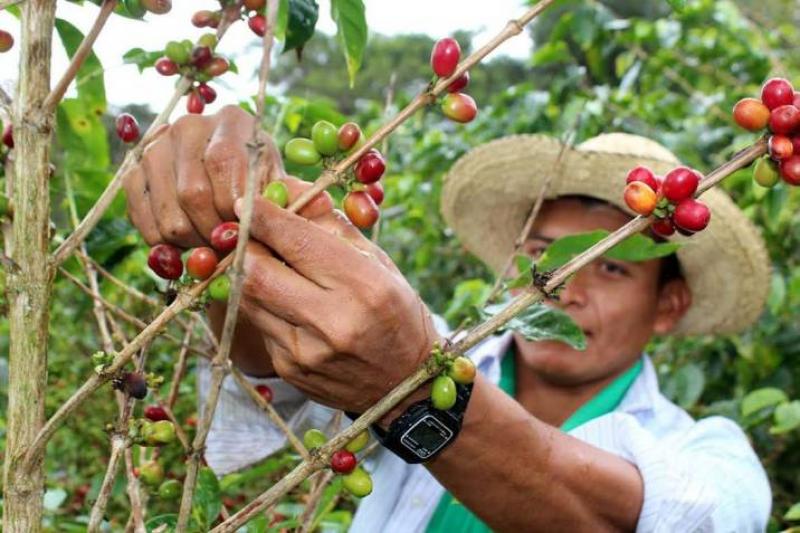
(225, 236)
(780, 147)
(459, 83)
(265, 392)
(444, 57)
(790, 170)
(255, 5)
(155, 413)
(370, 167)
(375, 190)
(6, 41)
(360, 208)
(166, 67)
(459, 107)
(165, 261)
(258, 24)
(202, 262)
(751, 114)
(663, 227)
(343, 462)
(784, 119)
(207, 93)
(645, 175)
(201, 56)
(777, 92)
(127, 128)
(8, 136)
(217, 67)
(195, 103)
(640, 198)
(348, 135)
(203, 18)
(692, 215)
(796, 100)
(159, 7)
(680, 183)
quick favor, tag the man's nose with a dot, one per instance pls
(575, 292)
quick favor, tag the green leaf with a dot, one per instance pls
(787, 417)
(142, 58)
(282, 20)
(688, 383)
(677, 5)
(351, 25)
(762, 398)
(170, 520)
(207, 498)
(89, 81)
(467, 298)
(635, 248)
(793, 513)
(525, 277)
(302, 20)
(541, 322)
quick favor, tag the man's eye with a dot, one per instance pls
(613, 268)
(535, 251)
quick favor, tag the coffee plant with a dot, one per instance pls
(65, 240)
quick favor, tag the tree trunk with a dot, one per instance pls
(29, 287)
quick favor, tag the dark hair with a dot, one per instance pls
(670, 267)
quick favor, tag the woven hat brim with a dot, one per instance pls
(489, 192)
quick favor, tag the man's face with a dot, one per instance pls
(617, 304)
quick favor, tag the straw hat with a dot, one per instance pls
(489, 192)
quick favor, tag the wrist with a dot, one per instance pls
(421, 393)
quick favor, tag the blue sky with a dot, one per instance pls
(125, 85)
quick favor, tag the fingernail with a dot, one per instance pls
(237, 206)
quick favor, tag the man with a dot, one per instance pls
(329, 313)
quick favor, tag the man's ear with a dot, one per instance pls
(674, 300)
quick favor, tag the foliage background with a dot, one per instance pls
(609, 65)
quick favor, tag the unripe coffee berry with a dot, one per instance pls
(777, 92)
(159, 7)
(127, 128)
(166, 67)
(134, 8)
(643, 174)
(201, 263)
(225, 236)
(370, 167)
(751, 114)
(640, 198)
(220, 288)
(360, 208)
(203, 18)
(177, 52)
(277, 192)
(302, 152)
(258, 24)
(207, 93)
(462, 370)
(158, 433)
(151, 473)
(358, 483)
(680, 184)
(348, 135)
(443, 392)
(324, 135)
(314, 438)
(459, 107)
(165, 261)
(343, 462)
(766, 172)
(265, 392)
(445, 56)
(691, 215)
(358, 443)
(170, 489)
(154, 413)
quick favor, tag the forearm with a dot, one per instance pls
(518, 473)
(247, 351)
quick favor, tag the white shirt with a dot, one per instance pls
(698, 475)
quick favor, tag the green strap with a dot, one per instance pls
(450, 515)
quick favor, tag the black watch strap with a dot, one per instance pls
(423, 431)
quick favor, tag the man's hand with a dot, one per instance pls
(339, 320)
(192, 172)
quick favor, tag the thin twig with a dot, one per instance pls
(221, 363)
(387, 109)
(321, 456)
(306, 519)
(137, 510)
(179, 369)
(57, 93)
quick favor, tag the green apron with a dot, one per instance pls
(450, 515)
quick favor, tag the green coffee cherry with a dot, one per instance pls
(358, 482)
(278, 193)
(358, 443)
(134, 8)
(208, 39)
(462, 370)
(151, 473)
(220, 288)
(177, 52)
(314, 438)
(302, 151)
(170, 489)
(443, 392)
(766, 173)
(158, 433)
(325, 137)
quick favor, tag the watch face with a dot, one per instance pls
(426, 437)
